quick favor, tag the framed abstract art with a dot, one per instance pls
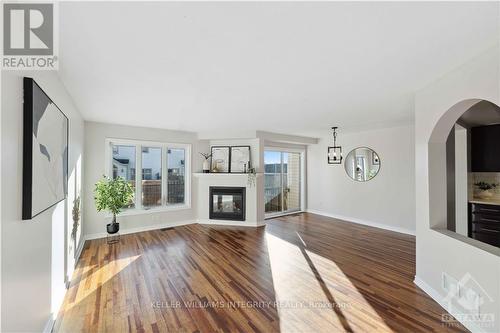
(45, 151)
(221, 156)
(240, 159)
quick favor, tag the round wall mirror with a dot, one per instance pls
(362, 164)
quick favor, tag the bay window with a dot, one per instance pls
(158, 172)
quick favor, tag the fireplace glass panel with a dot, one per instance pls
(227, 203)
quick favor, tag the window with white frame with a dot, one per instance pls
(158, 172)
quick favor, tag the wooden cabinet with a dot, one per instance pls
(485, 148)
(484, 223)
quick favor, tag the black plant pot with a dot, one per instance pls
(113, 228)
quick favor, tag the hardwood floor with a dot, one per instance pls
(301, 273)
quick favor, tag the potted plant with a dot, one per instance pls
(206, 162)
(113, 195)
(76, 217)
(252, 177)
(485, 189)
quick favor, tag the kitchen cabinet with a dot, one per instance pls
(484, 223)
(485, 148)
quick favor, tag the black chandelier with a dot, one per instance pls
(335, 152)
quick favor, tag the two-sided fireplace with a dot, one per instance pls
(227, 203)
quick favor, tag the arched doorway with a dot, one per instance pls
(450, 175)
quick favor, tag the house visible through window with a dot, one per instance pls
(176, 171)
(147, 174)
(282, 181)
(151, 186)
(124, 164)
(161, 168)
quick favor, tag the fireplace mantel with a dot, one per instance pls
(223, 174)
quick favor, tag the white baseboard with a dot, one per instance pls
(176, 224)
(232, 223)
(429, 291)
(49, 326)
(125, 231)
(80, 249)
(471, 326)
(276, 215)
(261, 223)
(364, 222)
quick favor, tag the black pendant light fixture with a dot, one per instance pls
(335, 152)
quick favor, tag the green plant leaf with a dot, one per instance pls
(113, 194)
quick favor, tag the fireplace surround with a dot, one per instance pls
(227, 203)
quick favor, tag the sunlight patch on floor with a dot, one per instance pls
(102, 275)
(297, 290)
(345, 292)
(309, 286)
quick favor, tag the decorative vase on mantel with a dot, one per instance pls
(206, 166)
(206, 162)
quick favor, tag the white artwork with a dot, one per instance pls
(220, 159)
(49, 153)
(240, 159)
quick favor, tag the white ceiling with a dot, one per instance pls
(283, 67)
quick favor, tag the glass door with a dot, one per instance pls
(282, 183)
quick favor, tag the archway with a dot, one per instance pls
(437, 162)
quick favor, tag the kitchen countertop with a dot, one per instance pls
(485, 201)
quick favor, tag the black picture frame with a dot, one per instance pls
(228, 158)
(338, 150)
(231, 155)
(29, 86)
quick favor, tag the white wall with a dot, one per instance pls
(95, 136)
(33, 252)
(439, 251)
(387, 201)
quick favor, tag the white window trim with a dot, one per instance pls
(138, 209)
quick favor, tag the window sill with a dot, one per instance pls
(164, 209)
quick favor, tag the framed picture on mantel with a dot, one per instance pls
(221, 157)
(240, 159)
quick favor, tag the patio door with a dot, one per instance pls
(282, 183)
